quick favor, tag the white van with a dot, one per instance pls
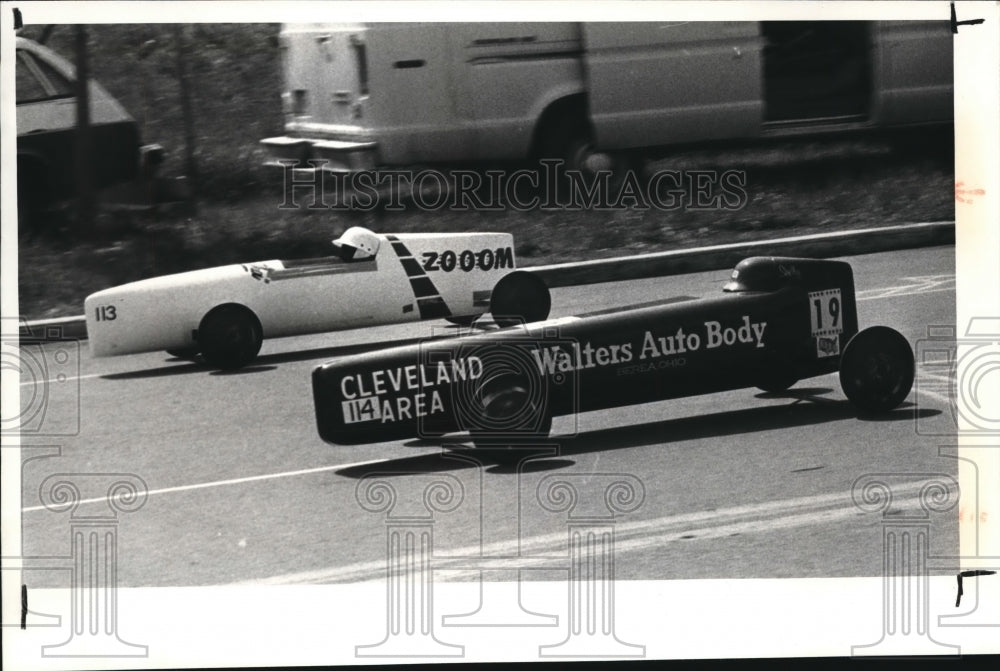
(382, 94)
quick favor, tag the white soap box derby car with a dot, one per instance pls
(224, 313)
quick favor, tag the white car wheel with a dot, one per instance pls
(230, 336)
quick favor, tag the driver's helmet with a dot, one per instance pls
(357, 244)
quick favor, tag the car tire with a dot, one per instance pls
(520, 297)
(877, 369)
(229, 336)
(504, 399)
(571, 140)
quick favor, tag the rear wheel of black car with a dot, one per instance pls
(230, 336)
(520, 297)
(877, 369)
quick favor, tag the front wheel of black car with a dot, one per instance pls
(877, 369)
(520, 297)
(230, 336)
(515, 422)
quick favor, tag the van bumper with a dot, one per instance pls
(313, 154)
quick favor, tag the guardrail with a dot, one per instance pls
(678, 262)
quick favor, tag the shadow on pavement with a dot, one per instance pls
(807, 408)
(265, 362)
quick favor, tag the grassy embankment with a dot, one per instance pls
(793, 186)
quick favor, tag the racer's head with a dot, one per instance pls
(357, 244)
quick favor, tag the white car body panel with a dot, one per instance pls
(308, 296)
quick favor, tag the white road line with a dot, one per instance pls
(234, 481)
(64, 380)
(642, 534)
(944, 398)
(934, 384)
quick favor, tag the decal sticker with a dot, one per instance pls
(402, 393)
(825, 312)
(429, 299)
(788, 271)
(360, 410)
(105, 313)
(827, 346)
(468, 260)
(652, 351)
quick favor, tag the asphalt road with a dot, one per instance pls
(737, 484)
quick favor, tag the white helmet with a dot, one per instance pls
(357, 243)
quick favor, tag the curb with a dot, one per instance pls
(662, 264)
(54, 329)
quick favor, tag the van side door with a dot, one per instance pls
(664, 83)
(411, 92)
(914, 76)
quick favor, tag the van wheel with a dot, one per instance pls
(877, 369)
(520, 297)
(572, 141)
(230, 336)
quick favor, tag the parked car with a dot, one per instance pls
(45, 88)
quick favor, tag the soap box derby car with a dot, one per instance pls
(778, 321)
(224, 313)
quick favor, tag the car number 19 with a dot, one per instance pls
(824, 312)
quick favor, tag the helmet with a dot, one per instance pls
(755, 274)
(357, 243)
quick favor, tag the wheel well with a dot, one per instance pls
(230, 306)
(35, 167)
(570, 108)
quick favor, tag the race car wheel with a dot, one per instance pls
(230, 336)
(520, 297)
(876, 369)
(514, 421)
